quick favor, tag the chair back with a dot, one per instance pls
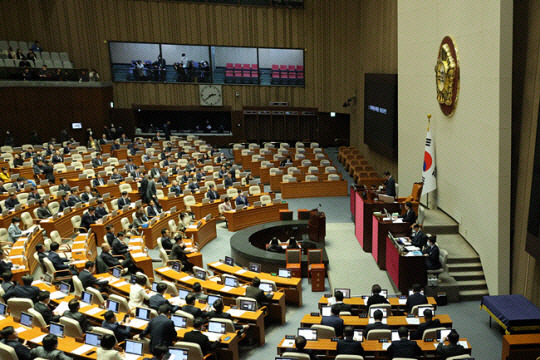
(349, 357)
(125, 224)
(232, 192)
(7, 352)
(254, 190)
(172, 226)
(102, 331)
(38, 320)
(54, 206)
(18, 305)
(266, 199)
(77, 286)
(240, 298)
(315, 256)
(194, 350)
(72, 328)
(324, 331)
(125, 187)
(76, 221)
(189, 317)
(4, 235)
(293, 256)
(431, 333)
(388, 308)
(273, 283)
(122, 301)
(171, 288)
(333, 177)
(414, 310)
(49, 267)
(379, 334)
(163, 256)
(229, 325)
(97, 298)
(467, 356)
(296, 356)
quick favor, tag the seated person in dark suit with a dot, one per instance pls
(218, 313)
(419, 239)
(300, 347)
(417, 298)
(88, 218)
(390, 184)
(191, 308)
(254, 292)
(334, 320)
(100, 209)
(193, 186)
(286, 161)
(212, 194)
(453, 349)
(75, 314)
(11, 201)
(185, 177)
(166, 241)
(404, 348)
(338, 295)
(428, 324)
(275, 247)
(126, 264)
(97, 161)
(198, 292)
(124, 200)
(98, 181)
(431, 252)
(161, 329)
(292, 243)
(43, 307)
(64, 186)
(73, 198)
(377, 325)
(179, 253)
(196, 336)
(110, 233)
(242, 200)
(121, 330)
(175, 188)
(116, 176)
(8, 282)
(34, 194)
(375, 297)
(229, 181)
(347, 345)
(164, 179)
(118, 246)
(409, 215)
(58, 262)
(88, 279)
(153, 209)
(27, 290)
(43, 211)
(40, 250)
(11, 339)
(64, 203)
(157, 300)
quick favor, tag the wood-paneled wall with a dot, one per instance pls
(342, 40)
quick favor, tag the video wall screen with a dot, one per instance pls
(177, 63)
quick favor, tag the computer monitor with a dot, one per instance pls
(142, 313)
(116, 272)
(179, 321)
(358, 335)
(176, 266)
(395, 335)
(182, 293)
(199, 274)
(212, 299)
(308, 333)
(346, 292)
(133, 279)
(230, 281)
(65, 287)
(134, 347)
(229, 260)
(285, 273)
(421, 310)
(441, 334)
(92, 339)
(384, 293)
(178, 354)
(26, 319)
(216, 327)
(254, 267)
(326, 311)
(154, 286)
(266, 287)
(3, 309)
(248, 305)
(411, 292)
(86, 297)
(56, 329)
(373, 309)
(113, 306)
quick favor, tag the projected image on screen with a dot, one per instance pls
(380, 113)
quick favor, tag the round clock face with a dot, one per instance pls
(447, 76)
(210, 95)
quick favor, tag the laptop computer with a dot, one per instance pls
(180, 322)
(257, 204)
(373, 309)
(176, 266)
(284, 273)
(92, 339)
(27, 319)
(65, 288)
(182, 293)
(134, 349)
(142, 313)
(113, 306)
(3, 309)
(200, 274)
(384, 292)
(412, 292)
(421, 310)
(346, 292)
(266, 287)
(308, 333)
(116, 272)
(216, 329)
(86, 297)
(441, 334)
(254, 267)
(56, 329)
(358, 335)
(212, 299)
(230, 281)
(154, 286)
(229, 261)
(248, 305)
(395, 335)
(178, 354)
(326, 311)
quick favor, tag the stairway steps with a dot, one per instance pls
(463, 260)
(472, 284)
(470, 295)
(441, 229)
(467, 275)
(462, 268)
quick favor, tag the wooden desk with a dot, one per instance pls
(140, 257)
(250, 216)
(23, 171)
(201, 210)
(521, 347)
(276, 309)
(204, 234)
(120, 154)
(404, 270)
(359, 305)
(6, 221)
(63, 223)
(99, 229)
(379, 235)
(364, 218)
(152, 232)
(169, 202)
(360, 322)
(83, 249)
(292, 286)
(21, 254)
(314, 189)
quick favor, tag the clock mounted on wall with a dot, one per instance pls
(210, 95)
(447, 76)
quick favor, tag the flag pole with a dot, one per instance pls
(428, 124)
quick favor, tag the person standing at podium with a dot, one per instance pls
(390, 184)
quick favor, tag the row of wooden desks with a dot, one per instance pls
(303, 189)
(241, 219)
(201, 210)
(394, 321)
(358, 303)
(276, 181)
(22, 252)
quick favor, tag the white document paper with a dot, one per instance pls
(93, 311)
(192, 227)
(165, 269)
(217, 263)
(402, 301)
(121, 283)
(38, 339)
(186, 278)
(212, 336)
(288, 343)
(57, 295)
(138, 255)
(226, 288)
(398, 221)
(61, 308)
(82, 349)
(372, 321)
(463, 343)
(241, 271)
(138, 323)
(236, 312)
(386, 345)
(413, 321)
(20, 329)
(37, 282)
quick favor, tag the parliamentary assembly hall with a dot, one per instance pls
(269, 179)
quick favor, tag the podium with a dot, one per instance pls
(317, 226)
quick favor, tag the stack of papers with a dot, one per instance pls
(61, 308)
(138, 255)
(165, 268)
(212, 336)
(402, 301)
(21, 329)
(57, 295)
(82, 349)
(413, 321)
(38, 339)
(463, 343)
(241, 271)
(288, 343)
(236, 312)
(186, 278)
(217, 263)
(372, 321)
(414, 253)
(121, 283)
(137, 323)
(226, 288)
(93, 311)
(398, 221)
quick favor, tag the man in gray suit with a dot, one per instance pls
(151, 191)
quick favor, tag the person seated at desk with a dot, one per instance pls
(190, 166)
(26, 290)
(155, 170)
(130, 166)
(101, 211)
(274, 246)
(4, 175)
(19, 184)
(431, 252)
(254, 292)
(334, 320)
(14, 231)
(428, 324)
(418, 239)
(157, 300)
(348, 346)
(222, 172)
(166, 160)
(211, 193)
(153, 209)
(43, 306)
(376, 297)
(3, 190)
(127, 264)
(87, 195)
(390, 184)
(42, 254)
(57, 158)
(199, 175)
(218, 313)
(140, 220)
(229, 181)
(292, 243)
(34, 194)
(417, 298)
(38, 157)
(178, 253)
(196, 336)
(249, 178)
(43, 211)
(146, 158)
(120, 332)
(175, 188)
(163, 179)
(300, 347)
(98, 181)
(29, 153)
(377, 325)
(198, 292)
(17, 161)
(453, 349)
(64, 203)
(136, 174)
(137, 293)
(404, 348)
(193, 186)
(106, 349)
(124, 200)
(286, 161)
(97, 161)
(73, 198)
(7, 277)
(11, 339)
(88, 218)
(116, 176)
(409, 215)
(58, 262)
(185, 178)
(64, 186)
(338, 295)
(88, 279)
(38, 169)
(11, 201)
(221, 158)
(118, 245)
(166, 241)
(148, 143)
(242, 200)
(191, 308)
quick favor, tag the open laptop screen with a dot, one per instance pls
(309, 334)
(113, 306)
(134, 347)
(56, 329)
(346, 292)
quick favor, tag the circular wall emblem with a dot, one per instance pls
(447, 76)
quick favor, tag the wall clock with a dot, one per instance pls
(210, 95)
